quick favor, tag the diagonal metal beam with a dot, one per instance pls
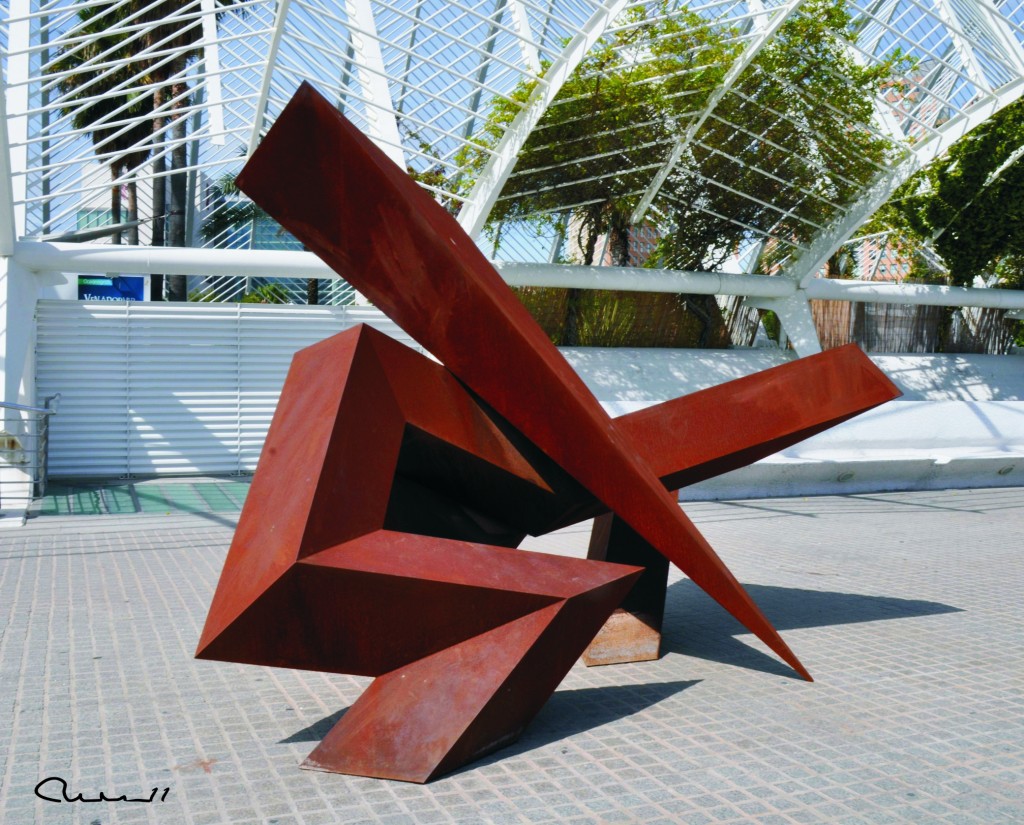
(804, 266)
(527, 45)
(7, 230)
(954, 26)
(485, 65)
(381, 120)
(414, 30)
(268, 73)
(999, 28)
(211, 58)
(488, 186)
(763, 37)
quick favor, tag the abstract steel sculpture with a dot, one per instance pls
(378, 536)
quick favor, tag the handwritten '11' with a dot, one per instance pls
(64, 797)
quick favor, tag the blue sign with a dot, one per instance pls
(118, 288)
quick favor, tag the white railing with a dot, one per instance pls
(785, 296)
(24, 453)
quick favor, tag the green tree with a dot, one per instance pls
(592, 153)
(967, 208)
(969, 204)
(788, 142)
(612, 118)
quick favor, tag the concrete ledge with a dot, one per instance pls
(778, 476)
(959, 424)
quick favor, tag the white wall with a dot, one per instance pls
(162, 388)
(960, 422)
(18, 291)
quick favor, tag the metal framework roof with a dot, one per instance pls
(118, 94)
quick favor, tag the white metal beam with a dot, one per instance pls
(268, 73)
(804, 267)
(531, 57)
(380, 113)
(211, 61)
(8, 234)
(41, 256)
(488, 186)
(16, 105)
(754, 47)
(637, 279)
(828, 289)
(485, 64)
(794, 315)
(999, 29)
(947, 14)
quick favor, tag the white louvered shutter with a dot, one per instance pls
(154, 389)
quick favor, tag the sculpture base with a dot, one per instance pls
(625, 637)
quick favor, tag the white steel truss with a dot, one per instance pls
(805, 267)
(488, 186)
(423, 77)
(766, 29)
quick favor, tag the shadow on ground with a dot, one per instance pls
(566, 713)
(569, 712)
(696, 626)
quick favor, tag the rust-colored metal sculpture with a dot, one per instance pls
(378, 536)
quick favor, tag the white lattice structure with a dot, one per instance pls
(120, 98)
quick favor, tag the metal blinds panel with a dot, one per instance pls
(172, 388)
(81, 352)
(268, 336)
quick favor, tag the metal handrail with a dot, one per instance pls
(45, 410)
(34, 444)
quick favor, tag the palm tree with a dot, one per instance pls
(178, 42)
(157, 58)
(101, 100)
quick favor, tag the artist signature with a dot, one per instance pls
(55, 781)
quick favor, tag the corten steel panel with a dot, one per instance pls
(467, 639)
(376, 536)
(713, 431)
(328, 185)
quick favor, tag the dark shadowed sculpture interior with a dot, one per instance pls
(379, 534)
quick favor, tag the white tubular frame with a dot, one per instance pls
(280, 19)
(484, 194)
(71, 257)
(806, 266)
(753, 48)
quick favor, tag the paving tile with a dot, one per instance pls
(904, 606)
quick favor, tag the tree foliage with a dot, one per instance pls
(790, 144)
(594, 150)
(101, 103)
(778, 155)
(969, 204)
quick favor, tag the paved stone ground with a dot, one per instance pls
(906, 607)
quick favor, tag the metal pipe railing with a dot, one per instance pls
(54, 257)
(25, 449)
